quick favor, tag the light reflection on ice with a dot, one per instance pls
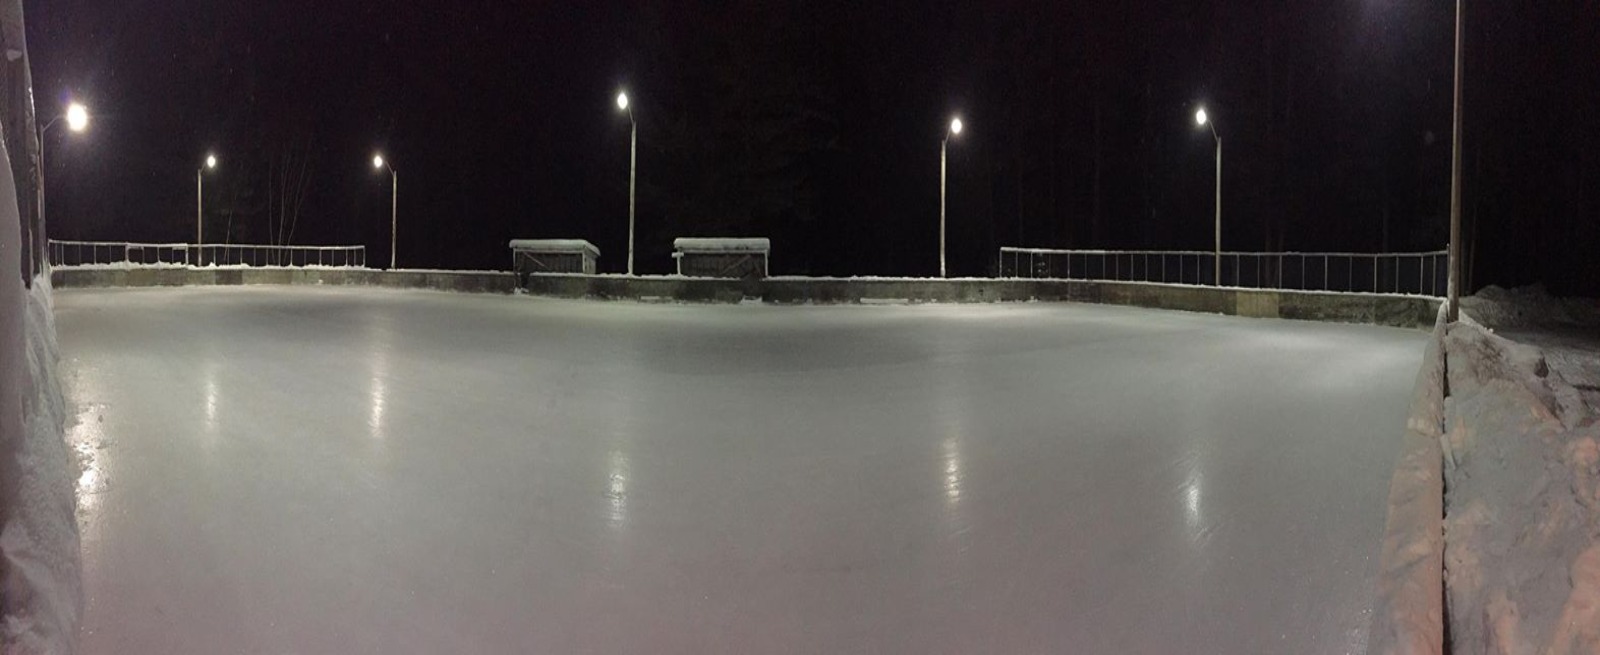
(617, 488)
(952, 470)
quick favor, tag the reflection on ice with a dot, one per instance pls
(952, 469)
(617, 488)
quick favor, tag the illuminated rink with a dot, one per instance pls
(303, 470)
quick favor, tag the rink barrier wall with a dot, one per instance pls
(1377, 309)
(1408, 614)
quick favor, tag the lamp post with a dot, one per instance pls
(1200, 118)
(633, 154)
(1454, 311)
(77, 118)
(200, 209)
(944, 146)
(379, 163)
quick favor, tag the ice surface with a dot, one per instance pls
(357, 470)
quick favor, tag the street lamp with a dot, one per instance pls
(77, 118)
(1454, 310)
(633, 155)
(378, 163)
(199, 208)
(1200, 118)
(955, 130)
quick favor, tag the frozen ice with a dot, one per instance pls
(279, 469)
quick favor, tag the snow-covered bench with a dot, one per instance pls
(553, 256)
(735, 258)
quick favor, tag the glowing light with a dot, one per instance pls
(211, 161)
(1200, 117)
(77, 117)
(377, 161)
(622, 101)
(955, 126)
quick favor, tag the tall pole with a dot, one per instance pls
(394, 214)
(199, 212)
(1217, 247)
(633, 158)
(943, 147)
(1454, 311)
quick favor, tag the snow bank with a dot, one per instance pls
(1529, 306)
(1522, 519)
(1408, 614)
(43, 596)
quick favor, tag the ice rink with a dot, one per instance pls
(300, 470)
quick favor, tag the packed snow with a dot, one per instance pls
(728, 245)
(1522, 515)
(359, 470)
(42, 597)
(554, 246)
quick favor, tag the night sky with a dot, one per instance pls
(818, 124)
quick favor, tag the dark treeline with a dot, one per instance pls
(818, 124)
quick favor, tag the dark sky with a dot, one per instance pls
(818, 124)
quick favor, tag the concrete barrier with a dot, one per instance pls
(465, 281)
(1378, 309)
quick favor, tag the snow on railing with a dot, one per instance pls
(1411, 273)
(131, 254)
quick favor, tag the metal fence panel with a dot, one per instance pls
(1410, 273)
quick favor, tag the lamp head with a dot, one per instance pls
(622, 101)
(377, 162)
(77, 117)
(1200, 117)
(955, 126)
(211, 161)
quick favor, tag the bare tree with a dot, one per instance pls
(289, 169)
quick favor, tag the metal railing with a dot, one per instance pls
(1412, 273)
(130, 254)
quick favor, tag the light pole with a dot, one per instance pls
(944, 145)
(633, 154)
(77, 117)
(1454, 311)
(1200, 118)
(200, 209)
(394, 205)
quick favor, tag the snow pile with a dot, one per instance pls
(1522, 517)
(1529, 306)
(43, 596)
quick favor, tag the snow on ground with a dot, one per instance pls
(1522, 517)
(358, 470)
(42, 596)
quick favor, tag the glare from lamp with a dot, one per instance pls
(211, 161)
(955, 126)
(77, 117)
(1200, 117)
(622, 101)
(377, 162)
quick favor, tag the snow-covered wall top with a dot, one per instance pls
(760, 245)
(554, 245)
